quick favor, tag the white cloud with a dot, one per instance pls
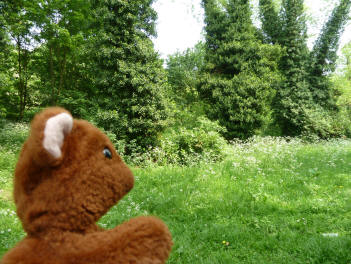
(179, 25)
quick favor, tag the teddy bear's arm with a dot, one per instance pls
(140, 240)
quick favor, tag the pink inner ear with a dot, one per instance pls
(54, 133)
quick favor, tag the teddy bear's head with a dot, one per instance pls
(68, 174)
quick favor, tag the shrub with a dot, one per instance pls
(320, 123)
(178, 145)
(192, 145)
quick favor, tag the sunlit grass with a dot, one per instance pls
(273, 200)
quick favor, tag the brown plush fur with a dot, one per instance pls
(59, 201)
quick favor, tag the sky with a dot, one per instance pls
(180, 23)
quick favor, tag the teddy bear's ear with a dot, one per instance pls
(56, 128)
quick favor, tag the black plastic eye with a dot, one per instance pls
(107, 153)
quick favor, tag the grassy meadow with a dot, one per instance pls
(272, 200)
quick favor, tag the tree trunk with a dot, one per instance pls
(25, 84)
(62, 71)
(52, 77)
(20, 78)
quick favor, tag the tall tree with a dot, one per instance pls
(271, 23)
(323, 56)
(341, 80)
(304, 99)
(15, 17)
(129, 75)
(240, 72)
(183, 71)
(8, 94)
(346, 51)
(3, 30)
(293, 96)
(63, 29)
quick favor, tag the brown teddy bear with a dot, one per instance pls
(68, 175)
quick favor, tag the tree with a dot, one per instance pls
(304, 102)
(3, 31)
(183, 70)
(346, 51)
(342, 79)
(293, 96)
(323, 56)
(16, 22)
(8, 92)
(63, 31)
(129, 78)
(6, 63)
(49, 37)
(240, 71)
(271, 23)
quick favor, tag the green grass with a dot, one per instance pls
(271, 201)
(11, 138)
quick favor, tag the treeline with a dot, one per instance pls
(265, 80)
(251, 73)
(96, 58)
(93, 57)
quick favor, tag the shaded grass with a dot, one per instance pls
(272, 201)
(12, 136)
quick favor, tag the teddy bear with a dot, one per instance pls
(69, 175)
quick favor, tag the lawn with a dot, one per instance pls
(273, 200)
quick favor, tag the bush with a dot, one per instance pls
(144, 126)
(192, 145)
(323, 124)
(178, 145)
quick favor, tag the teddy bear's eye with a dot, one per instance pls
(107, 153)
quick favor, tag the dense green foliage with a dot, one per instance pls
(191, 137)
(183, 71)
(46, 64)
(240, 72)
(273, 200)
(93, 57)
(271, 27)
(293, 97)
(96, 58)
(130, 80)
(199, 142)
(342, 78)
(305, 101)
(341, 82)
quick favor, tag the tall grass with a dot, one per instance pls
(273, 200)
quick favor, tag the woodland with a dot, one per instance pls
(96, 58)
